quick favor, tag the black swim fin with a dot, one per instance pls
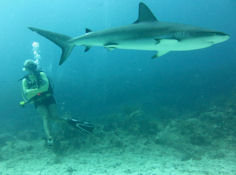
(84, 126)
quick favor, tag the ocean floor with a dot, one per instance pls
(178, 147)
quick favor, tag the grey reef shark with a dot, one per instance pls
(146, 33)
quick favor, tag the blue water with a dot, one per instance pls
(90, 85)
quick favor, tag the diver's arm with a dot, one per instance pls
(28, 93)
(44, 85)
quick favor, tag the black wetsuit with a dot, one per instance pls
(44, 98)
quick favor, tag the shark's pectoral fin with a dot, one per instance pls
(110, 46)
(160, 53)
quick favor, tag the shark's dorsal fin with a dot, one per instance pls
(145, 14)
(88, 30)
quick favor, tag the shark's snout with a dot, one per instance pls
(221, 37)
(221, 34)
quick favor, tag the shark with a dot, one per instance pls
(146, 33)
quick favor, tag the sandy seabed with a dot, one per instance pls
(134, 156)
(201, 144)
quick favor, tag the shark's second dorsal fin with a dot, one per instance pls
(145, 14)
(88, 30)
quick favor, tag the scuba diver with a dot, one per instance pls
(38, 91)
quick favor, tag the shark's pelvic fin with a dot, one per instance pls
(160, 53)
(145, 14)
(61, 40)
(110, 46)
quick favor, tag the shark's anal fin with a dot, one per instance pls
(87, 48)
(157, 41)
(160, 53)
(110, 46)
(145, 14)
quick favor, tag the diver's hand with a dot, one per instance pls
(22, 103)
(30, 93)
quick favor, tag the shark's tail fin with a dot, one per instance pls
(58, 39)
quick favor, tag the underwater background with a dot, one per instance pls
(122, 90)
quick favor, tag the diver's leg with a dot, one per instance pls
(52, 108)
(84, 126)
(43, 111)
